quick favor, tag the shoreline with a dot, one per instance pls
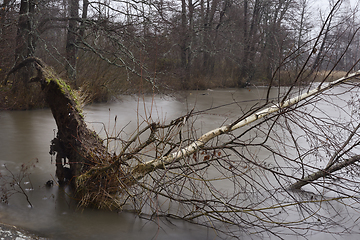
(10, 232)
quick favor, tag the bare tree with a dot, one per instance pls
(25, 38)
(71, 49)
(7, 34)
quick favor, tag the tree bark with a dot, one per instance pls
(6, 43)
(246, 69)
(184, 48)
(25, 41)
(83, 17)
(25, 38)
(71, 49)
(323, 173)
(75, 145)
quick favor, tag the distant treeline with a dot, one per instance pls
(110, 47)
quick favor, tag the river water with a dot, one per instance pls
(25, 138)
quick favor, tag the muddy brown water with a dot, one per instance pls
(25, 137)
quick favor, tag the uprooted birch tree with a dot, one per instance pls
(162, 170)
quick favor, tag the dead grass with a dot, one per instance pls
(328, 75)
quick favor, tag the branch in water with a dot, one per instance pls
(142, 169)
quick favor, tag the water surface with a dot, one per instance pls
(25, 137)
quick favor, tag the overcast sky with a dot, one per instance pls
(324, 4)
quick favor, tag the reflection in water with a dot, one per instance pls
(26, 136)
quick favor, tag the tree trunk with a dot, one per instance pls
(71, 49)
(247, 69)
(25, 42)
(6, 43)
(77, 148)
(83, 18)
(25, 38)
(184, 47)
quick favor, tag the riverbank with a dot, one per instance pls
(9, 232)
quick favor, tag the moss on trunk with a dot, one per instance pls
(77, 148)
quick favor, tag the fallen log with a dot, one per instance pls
(99, 177)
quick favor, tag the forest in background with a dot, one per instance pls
(105, 48)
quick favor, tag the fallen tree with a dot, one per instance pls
(74, 144)
(160, 162)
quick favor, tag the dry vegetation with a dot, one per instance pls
(170, 46)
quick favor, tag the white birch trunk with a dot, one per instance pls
(142, 169)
